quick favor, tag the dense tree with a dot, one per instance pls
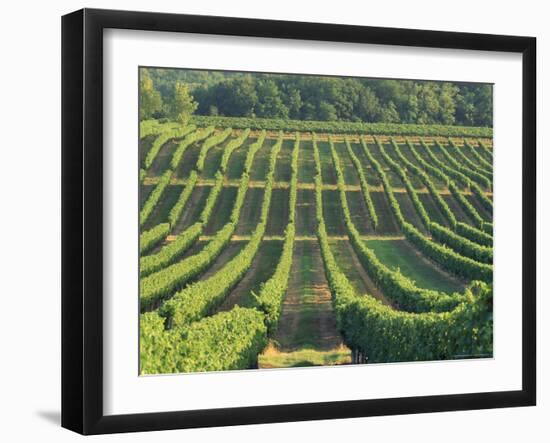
(182, 105)
(236, 97)
(270, 103)
(305, 97)
(389, 113)
(150, 99)
(293, 99)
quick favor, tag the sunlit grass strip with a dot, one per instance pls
(441, 254)
(271, 357)
(387, 335)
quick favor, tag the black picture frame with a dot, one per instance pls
(82, 218)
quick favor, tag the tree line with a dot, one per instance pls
(173, 93)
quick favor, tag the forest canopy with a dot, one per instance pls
(172, 93)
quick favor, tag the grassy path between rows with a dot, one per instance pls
(400, 254)
(307, 333)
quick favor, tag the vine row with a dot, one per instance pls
(200, 298)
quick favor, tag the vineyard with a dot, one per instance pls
(271, 243)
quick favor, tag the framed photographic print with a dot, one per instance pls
(271, 221)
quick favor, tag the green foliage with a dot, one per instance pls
(225, 341)
(485, 201)
(149, 127)
(239, 199)
(419, 206)
(470, 233)
(464, 159)
(181, 104)
(194, 137)
(364, 185)
(341, 127)
(387, 335)
(432, 170)
(488, 165)
(401, 290)
(331, 98)
(212, 198)
(293, 194)
(462, 245)
(232, 146)
(446, 257)
(486, 152)
(184, 336)
(253, 148)
(210, 142)
(465, 204)
(150, 101)
(187, 238)
(156, 346)
(446, 236)
(165, 282)
(169, 253)
(270, 103)
(176, 210)
(476, 235)
(473, 175)
(200, 298)
(394, 204)
(154, 198)
(148, 239)
(452, 173)
(270, 297)
(163, 138)
(442, 204)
